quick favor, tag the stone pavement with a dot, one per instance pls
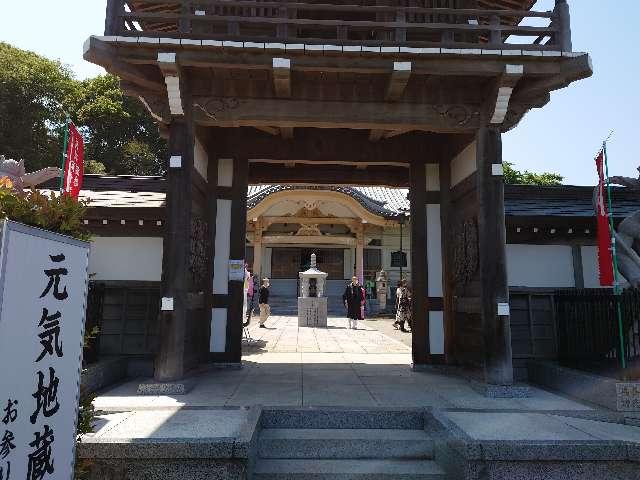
(304, 378)
(291, 366)
(283, 335)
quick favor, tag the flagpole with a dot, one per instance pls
(65, 143)
(616, 274)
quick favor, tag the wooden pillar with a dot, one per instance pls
(419, 275)
(170, 361)
(447, 257)
(493, 263)
(228, 224)
(563, 22)
(257, 250)
(360, 255)
(113, 22)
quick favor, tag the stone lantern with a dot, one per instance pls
(312, 304)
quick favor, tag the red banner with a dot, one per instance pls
(605, 258)
(74, 166)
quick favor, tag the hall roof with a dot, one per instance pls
(520, 200)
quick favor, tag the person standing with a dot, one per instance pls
(250, 295)
(402, 306)
(352, 298)
(263, 302)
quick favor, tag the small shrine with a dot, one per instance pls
(312, 303)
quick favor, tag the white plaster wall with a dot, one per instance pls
(540, 266)
(225, 172)
(590, 266)
(436, 333)
(222, 248)
(218, 339)
(126, 258)
(434, 251)
(464, 164)
(200, 160)
(433, 177)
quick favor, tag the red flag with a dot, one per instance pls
(605, 259)
(74, 166)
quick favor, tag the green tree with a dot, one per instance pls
(34, 93)
(119, 131)
(513, 176)
(93, 166)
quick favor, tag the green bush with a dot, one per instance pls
(57, 213)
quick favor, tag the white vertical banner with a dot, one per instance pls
(43, 291)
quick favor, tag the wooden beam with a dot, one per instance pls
(505, 85)
(376, 135)
(293, 163)
(269, 130)
(252, 112)
(398, 81)
(308, 239)
(282, 77)
(339, 147)
(395, 133)
(268, 221)
(144, 75)
(287, 132)
(329, 175)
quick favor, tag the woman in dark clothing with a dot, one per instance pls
(352, 298)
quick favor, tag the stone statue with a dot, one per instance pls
(15, 172)
(628, 237)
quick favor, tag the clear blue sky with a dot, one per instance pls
(562, 137)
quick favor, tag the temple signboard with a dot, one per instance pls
(43, 289)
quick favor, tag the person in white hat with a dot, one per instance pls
(263, 302)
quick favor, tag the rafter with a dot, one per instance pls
(398, 81)
(171, 71)
(503, 91)
(282, 77)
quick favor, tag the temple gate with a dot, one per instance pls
(371, 93)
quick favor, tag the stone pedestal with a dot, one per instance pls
(312, 312)
(312, 304)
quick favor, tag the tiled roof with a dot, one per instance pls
(564, 201)
(379, 200)
(520, 200)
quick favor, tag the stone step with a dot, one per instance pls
(342, 418)
(345, 443)
(271, 469)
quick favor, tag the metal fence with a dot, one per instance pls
(95, 300)
(589, 333)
